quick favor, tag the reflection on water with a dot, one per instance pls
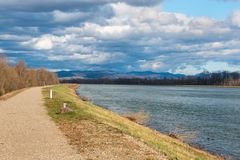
(209, 117)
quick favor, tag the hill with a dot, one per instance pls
(116, 75)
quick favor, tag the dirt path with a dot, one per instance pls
(27, 133)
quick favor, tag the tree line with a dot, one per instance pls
(219, 78)
(19, 76)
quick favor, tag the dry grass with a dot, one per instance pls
(183, 136)
(140, 117)
(98, 141)
(84, 98)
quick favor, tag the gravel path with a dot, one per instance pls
(27, 133)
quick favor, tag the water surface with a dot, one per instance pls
(209, 116)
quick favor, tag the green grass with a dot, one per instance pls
(174, 149)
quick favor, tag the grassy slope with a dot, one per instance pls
(172, 148)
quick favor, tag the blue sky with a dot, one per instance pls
(217, 9)
(178, 36)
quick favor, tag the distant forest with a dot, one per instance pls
(220, 78)
(19, 76)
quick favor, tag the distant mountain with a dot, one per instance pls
(150, 74)
(115, 75)
(87, 74)
(204, 74)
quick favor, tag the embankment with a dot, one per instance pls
(97, 132)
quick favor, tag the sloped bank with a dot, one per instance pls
(97, 132)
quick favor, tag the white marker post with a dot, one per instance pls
(51, 94)
(64, 105)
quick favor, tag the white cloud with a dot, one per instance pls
(235, 18)
(91, 57)
(113, 31)
(95, 58)
(214, 66)
(130, 21)
(216, 45)
(46, 42)
(14, 37)
(60, 16)
(154, 65)
(211, 66)
(218, 52)
(2, 50)
(71, 47)
(202, 22)
(46, 5)
(101, 32)
(29, 29)
(43, 43)
(188, 70)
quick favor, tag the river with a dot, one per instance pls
(208, 117)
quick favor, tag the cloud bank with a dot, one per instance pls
(118, 35)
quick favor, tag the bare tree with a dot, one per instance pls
(13, 78)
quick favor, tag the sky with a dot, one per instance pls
(177, 36)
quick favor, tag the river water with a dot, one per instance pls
(204, 116)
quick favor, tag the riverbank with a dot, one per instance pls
(93, 122)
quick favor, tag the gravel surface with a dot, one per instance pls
(27, 132)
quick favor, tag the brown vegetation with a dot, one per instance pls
(97, 141)
(18, 77)
(183, 137)
(84, 98)
(138, 117)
